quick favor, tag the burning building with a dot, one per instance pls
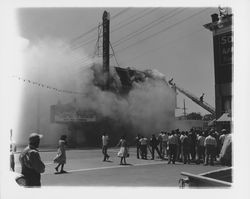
(136, 102)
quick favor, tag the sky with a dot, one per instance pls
(170, 40)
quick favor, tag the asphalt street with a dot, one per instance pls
(86, 168)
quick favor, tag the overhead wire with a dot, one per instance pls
(163, 30)
(154, 50)
(144, 13)
(148, 26)
(152, 35)
(95, 27)
(120, 26)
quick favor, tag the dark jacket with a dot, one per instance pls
(154, 142)
(32, 166)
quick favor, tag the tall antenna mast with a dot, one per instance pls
(106, 43)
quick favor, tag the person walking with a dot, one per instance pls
(123, 152)
(105, 141)
(210, 148)
(60, 158)
(31, 163)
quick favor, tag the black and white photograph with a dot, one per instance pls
(120, 97)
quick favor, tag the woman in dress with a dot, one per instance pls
(61, 154)
(123, 152)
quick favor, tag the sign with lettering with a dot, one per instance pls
(67, 113)
(225, 48)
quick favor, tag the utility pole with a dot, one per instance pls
(106, 43)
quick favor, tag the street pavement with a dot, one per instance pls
(86, 168)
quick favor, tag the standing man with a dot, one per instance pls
(144, 144)
(200, 147)
(210, 147)
(185, 146)
(221, 139)
(31, 163)
(164, 145)
(160, 141)
(12, 152)
(138, 145)
(105, 140)
(173, 144)
(192, 136)
(226, 150)
(154, 144)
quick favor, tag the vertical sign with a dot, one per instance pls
(105, 47)
(223, 57)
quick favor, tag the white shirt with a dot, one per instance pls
(105, 140)
(143, 141)
(164, 137)
(201, 140)
(210, 141)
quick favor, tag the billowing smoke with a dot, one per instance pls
(148, 106)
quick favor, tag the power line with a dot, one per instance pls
(120, 13)
(147, 27)
(94, 28)
(120, 26)
(163, 30)
(177, 39)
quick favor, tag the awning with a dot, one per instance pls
(226, 117)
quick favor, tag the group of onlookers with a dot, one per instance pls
(187, 146)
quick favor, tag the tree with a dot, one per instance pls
(194, 116)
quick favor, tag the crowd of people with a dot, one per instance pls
(194, 146)
(182, 146)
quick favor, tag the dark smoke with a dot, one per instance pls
(148, 106)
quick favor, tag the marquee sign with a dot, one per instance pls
(67, 114)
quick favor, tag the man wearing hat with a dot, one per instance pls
(31, 163)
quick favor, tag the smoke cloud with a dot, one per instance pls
(148, 106)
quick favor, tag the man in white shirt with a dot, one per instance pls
(105, 140)
(210, 144)
(200, 147)
(143, 144)
(164, 145)
(173, 144)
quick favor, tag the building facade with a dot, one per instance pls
(221, 27)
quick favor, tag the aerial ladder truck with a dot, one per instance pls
(195, 99)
